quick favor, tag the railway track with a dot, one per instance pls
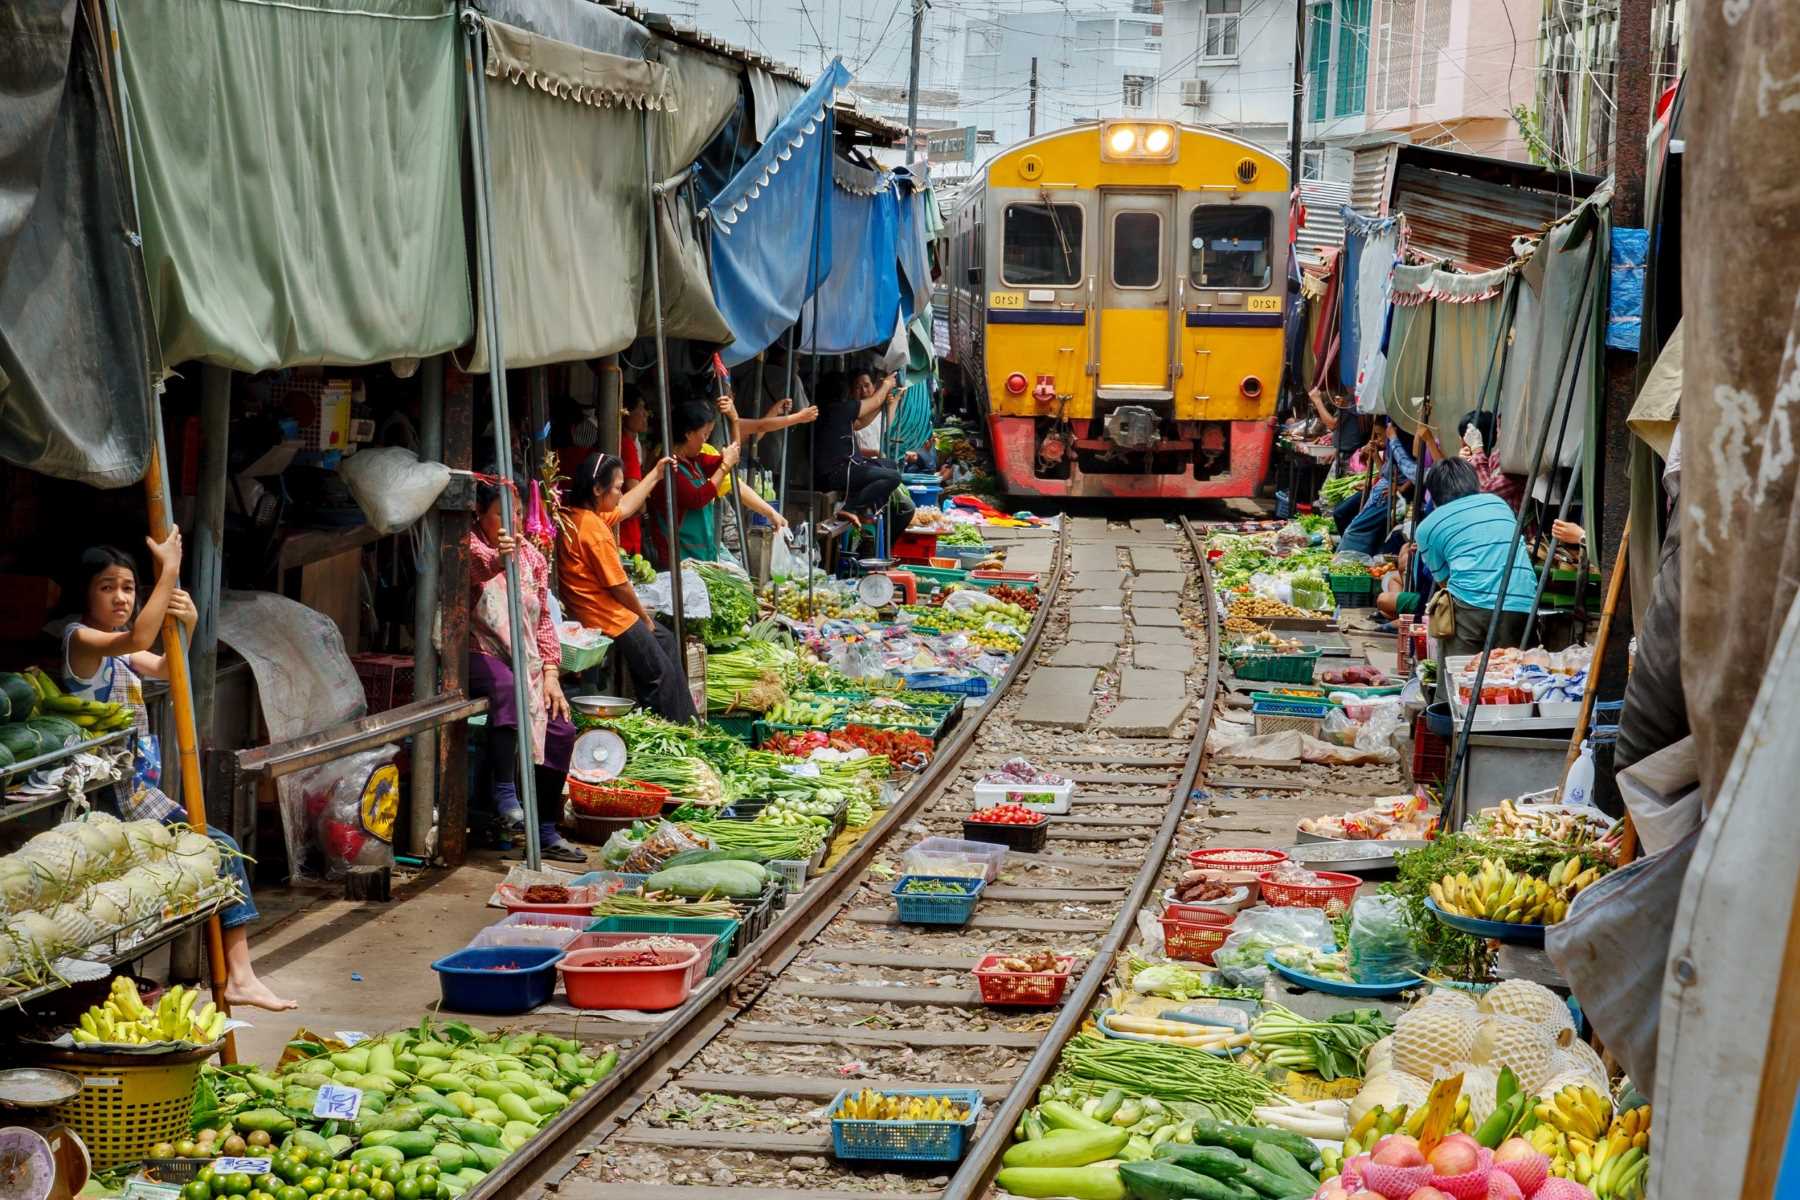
(727, 1094)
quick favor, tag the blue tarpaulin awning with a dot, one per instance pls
(761, 224)
(859, 300)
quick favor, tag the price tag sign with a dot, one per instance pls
(809, 770)
(246, 1166)
(337, 1103)
(350, 1036)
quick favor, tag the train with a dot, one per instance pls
(1117, 293)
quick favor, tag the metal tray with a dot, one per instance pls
(1500, 931)
(1338, 854)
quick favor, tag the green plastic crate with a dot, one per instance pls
(1276, 668)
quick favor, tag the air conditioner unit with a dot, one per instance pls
(1196, 93)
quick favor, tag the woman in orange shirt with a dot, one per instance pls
(598, 593)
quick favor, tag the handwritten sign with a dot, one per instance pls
(246, 1166)
(337, 1103)
(350, 1036)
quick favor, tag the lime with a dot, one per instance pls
(291, 1192)
(237, 1184)
(338, 1180)
(197, 1190)
(381, 1189)
(312, 1183)
(407, 1189)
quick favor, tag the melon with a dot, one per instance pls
(1525, 1046)
(1449, 997)
(1431, 1036)
(1532, 1001)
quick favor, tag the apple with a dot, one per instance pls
(1366, 1194)
(1332, 1191)
(1450, 1158)
(1398, 1150)
(1429, 1193)
(1515, 1149)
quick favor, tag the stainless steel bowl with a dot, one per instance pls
(601, 706)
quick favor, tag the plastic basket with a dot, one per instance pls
(915, 546)
(591, 983)
(941, 576)
(909, 1141)
(944, 909)
(576, 659)
(741, 726)
(938, 681)
(704, 943)
(1192, 941)
(1052, 798)
(755, 915)
(123, 1109)
(1026, 839)
(724, 929)
(1236, 858)
(626, 799)
(950, 856)
(1310, 726)
(480, 980)
(546, 935)
(926, 495)
(792, 870)
(1276, 668)
(1431, 754)
(1024, 989)
(1263, 704)
(1340, 889)
(1023, 580)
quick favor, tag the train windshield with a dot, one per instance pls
(1229, 247)
(1042, 245)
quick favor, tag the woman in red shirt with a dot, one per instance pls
(634, 424)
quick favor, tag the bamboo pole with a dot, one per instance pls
(181, 691)
(1613, 588)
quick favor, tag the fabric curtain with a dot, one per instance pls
(299, 171)
(914, 247)
(77, 345)
(566, 164)
(1467, 309)
(762, 224)
(573, 23)
(859, 300)
(1370, 249)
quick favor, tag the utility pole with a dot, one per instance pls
(912, 83)
(1031, 129)
(1296, 136)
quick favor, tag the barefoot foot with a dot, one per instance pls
(256, 994)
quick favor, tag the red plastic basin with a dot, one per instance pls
(591, 983)
(702, 943)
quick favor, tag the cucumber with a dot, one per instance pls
(1273, 1158)
(1241, 1139)
(1216, 1161)
(1156, 1180)
(1266, 1182)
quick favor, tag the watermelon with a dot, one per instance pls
(20, 741)
(21, 697)
(54, 732)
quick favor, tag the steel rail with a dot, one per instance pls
(561, 1144)
(976, 1175)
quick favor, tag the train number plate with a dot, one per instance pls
(1006, 300)
(1265, 304)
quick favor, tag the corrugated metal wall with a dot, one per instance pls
(1324, 229)
(1468, 221)
(1369, 179)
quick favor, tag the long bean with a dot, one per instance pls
(1168, 1073)
(656, 904)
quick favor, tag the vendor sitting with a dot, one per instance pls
(106, 654)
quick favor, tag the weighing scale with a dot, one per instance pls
(40, 1158)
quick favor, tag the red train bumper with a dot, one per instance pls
(1015, 455)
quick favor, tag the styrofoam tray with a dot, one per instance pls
(1052, 798)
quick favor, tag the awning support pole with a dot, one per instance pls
(425, 605)
(788, 391)
(181, 692)
(209, 543)
(662, 395)
(476, 79)
(812, 331)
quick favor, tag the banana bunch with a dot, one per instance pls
(94, 716)
(1378, 1122)
(869, 1105)
(1497, 893)
(126, 1019)
(1607, 1154)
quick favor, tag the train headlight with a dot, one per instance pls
(1138, 141)
(1015, 384)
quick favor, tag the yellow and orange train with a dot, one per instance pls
(1117, 293)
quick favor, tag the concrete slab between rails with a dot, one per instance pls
(1147, 613)
(1145, 559)
(1093, 593)
(1109, 633)
(1162, 658)
(1096, 579)
(1151, 529)
(1090, 613)
(1094, 556)
(1143, 683)
(1034, 557)
(1158, 635)
(1145, 718)
(1059, 696)
(1162, 581)
(1084, 654)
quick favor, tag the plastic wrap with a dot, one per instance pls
(1240, 961)
(1381, 949)
(392, 487)
(341, 814)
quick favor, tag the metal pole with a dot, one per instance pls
(812, 326)
(610, 405)
(735, 432)
(209, 540)
(1562, 513)
(1453, 805)
(1031, 101)
(476, 80)
(912, 82)
(662, 392)
(181, 693)
(1296, 135)
(782, 487)
(425, 605)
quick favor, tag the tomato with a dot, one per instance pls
(197, 1190)
(407, 1189)
(381, 1189)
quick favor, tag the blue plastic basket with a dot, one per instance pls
(939, 909)
(909, 1141)
(925, 495)
(939, 681)
(1283, 707)
(479, 980)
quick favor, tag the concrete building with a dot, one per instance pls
(1229, 64)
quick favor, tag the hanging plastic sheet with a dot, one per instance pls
(570, 219)
(761, 224)
(77, 347)
(911, 241)
(299, 172)
(1467, 310)
(1625, 295)
(859, 301)
(1371, 248)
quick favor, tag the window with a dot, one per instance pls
(1135, 87)
(1312, 164)
(1318, 57)
(1434, 36)
(1041, 246)
(972, 269)
(1137, 249)
(1230, 246)
(1396, 55)
(1353, 58)
(1219, 27)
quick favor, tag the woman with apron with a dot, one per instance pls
(698, 479)
(106, 655)
(547, 722)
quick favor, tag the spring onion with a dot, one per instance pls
(1334, 1047)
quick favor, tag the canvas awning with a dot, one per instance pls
(566, 163)
(299, 172)
(912, 242)
(761, 223)
(859, 300)
(77, 348)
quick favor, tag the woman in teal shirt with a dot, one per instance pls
(1464, 544)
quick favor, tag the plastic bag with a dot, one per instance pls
(969, 599)
(392, 486)
(1381, 949)
(1240, 961)
(785, 558)
(619, 847)
(537, 521)
(663, 843)
(341, 814)
(1339, 729)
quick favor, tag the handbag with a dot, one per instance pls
(1440, 615)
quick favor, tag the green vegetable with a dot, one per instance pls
(1067, 1148)
(730, 877)
(263, 1120)
(1334, 1048)
(1179, 983)
(400, 1117)
(1067, 1116)
(733, 605)
(450, 1156)
(411, 1143)
(1108, 1105)
(1168, 1072)
(1216, 1161)
(1096, 1181)
(1266, 1182)
(1158, 1180)
(1273, 1158)
(387, 1156)
(1242, 1139)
